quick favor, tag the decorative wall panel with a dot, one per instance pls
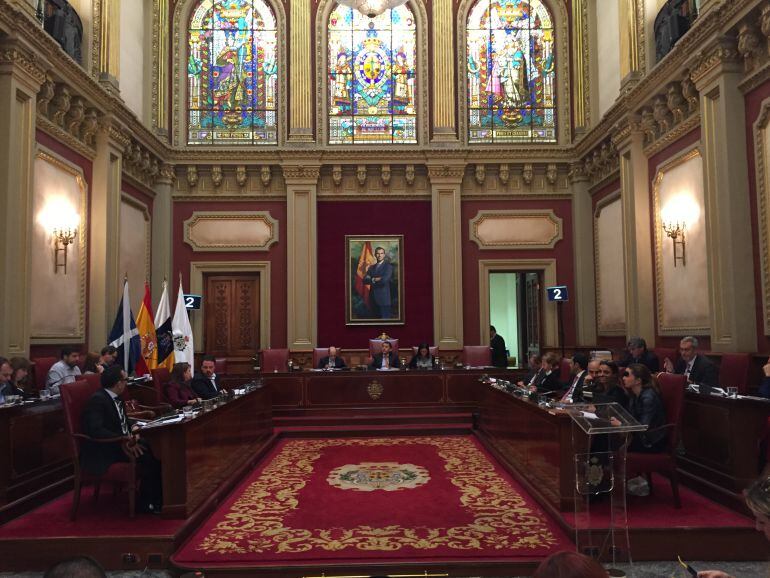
(610, 281)
(135, 242)
(516, 229)
(231, 231)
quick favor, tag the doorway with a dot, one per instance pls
(514, 310)
(232, 314)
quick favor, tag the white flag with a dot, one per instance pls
(183, 337)
(164, 332)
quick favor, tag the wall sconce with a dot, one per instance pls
(60, 219)
(675, 230)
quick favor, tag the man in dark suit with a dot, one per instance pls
(104, 417)
(637, 352)
(378, 276)
(574, 391)
(331, 361)
(497, 344)
(206, 383)
(385, 360)
(695, 367)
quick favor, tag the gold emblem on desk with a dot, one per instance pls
(374, 389)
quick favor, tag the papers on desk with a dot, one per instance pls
(238, 391)
(589, 415)
(387, 369)
(161, 421)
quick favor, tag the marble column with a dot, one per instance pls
(20, 80)
(638, 264)
(726, 192)
(302, 262)
(445, 184)
(104, 236)
(583, 248)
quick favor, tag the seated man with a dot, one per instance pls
(547, 381)
(107, 356)
(6, 385)
(637, 352)
(574, 391)
(206, 383)
(331, 361)
(386, 359)
(695, 367)
(65, 370)
(104, 417)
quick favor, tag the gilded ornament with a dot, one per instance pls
(764, 24)
(45, 96)
(337, 175)
(385, 175)
(240, 175)
(374, 389)
(675, 102)
(504, 173)
(265, 175)
(661, 114)
(216, 175)
(361, 174)
(89, 126)
(480, 173)
(551, 173)
(75, 116)
(527, 173)
(192, 175)
(648, 125)
(748, 45)
(409, 175)
(61, 104)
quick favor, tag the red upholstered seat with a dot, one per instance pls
(734, 371)
(375, 346)
(220, 366)
(319, 353)
(565, 370)
(74, 397)
(477, 355)
(274, 360)
(672, 388)
(664, 352)
(41, 368)
(160, 377)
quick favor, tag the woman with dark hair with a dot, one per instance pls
(91, 363)
(178, 390)
(608, 388)
(20, 367)
(422, 359)
(646, 405)
(569, 564)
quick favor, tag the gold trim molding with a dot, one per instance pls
(761, 161)
(513, 221)
(225, 219)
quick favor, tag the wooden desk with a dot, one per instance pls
(721, 440)
(307, 391)
(536, 444)
(34, 456)
(200, 456)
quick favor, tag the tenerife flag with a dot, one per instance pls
(163, 332)
(124, 335)
(183, 337)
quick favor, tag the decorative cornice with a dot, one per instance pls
(673, 135)
(301, 173)
(16, 56)
(446, 172)
(723, 52)
(65, 137)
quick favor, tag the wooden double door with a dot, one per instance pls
(232, 315)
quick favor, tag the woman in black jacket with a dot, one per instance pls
(646, 406)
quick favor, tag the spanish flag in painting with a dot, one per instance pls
(149, 358)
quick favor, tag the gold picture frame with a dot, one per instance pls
(374, 280)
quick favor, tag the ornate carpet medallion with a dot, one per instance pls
(370, 476)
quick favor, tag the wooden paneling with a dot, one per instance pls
(232, 315)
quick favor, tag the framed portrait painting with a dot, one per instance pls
(374, 280)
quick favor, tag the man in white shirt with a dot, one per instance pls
(65, 370)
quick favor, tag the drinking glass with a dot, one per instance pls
(45, 394)
(732, 392)
(187, 411)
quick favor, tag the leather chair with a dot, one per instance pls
(160, 377)
(477, 355)
(220, 366)
(74, 398)
(41, 368)
(319, 353)
(663, 352)
(375, 346)
(672, 389)
(734, 371)
(274, 360)
(565, 370)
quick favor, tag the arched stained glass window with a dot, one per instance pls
(510, 61)
(232, 73)
(372, 77)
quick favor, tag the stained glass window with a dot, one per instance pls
(232, 73)
(510, 63)
(372, 77)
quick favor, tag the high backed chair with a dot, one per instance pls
(318, 354)
(74, 398)
(734, 371)
(375, 346)
(663, 352)
(220, 366)
(672, 388)
(432, 350)
(565, 370)
(160, 377)
(477, 355)
(41, 369)
(274, 360)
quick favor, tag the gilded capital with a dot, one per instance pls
(17, 59)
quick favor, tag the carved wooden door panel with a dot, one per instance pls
(232, 315)
(532, 305)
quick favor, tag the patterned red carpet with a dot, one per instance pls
(374, 499)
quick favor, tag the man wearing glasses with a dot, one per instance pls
(695, 367)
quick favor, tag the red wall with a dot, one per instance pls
(753, 108)
(562, 252)
(184, 255)
(87, 167)
(654, 161)
(412, 219)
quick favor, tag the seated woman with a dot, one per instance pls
(646, 405)
(91, 363)
(608, 388)
(178, 390)
(17, 385)
(422, 359)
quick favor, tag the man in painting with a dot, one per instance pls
(379, 276)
